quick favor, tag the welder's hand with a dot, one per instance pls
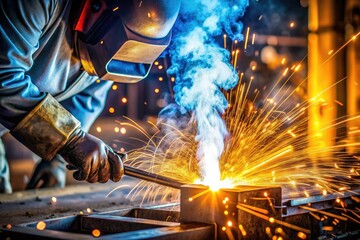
(93, 159)
(49, 174)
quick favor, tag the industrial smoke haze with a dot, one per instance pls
(202, 69)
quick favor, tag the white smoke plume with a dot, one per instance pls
(202, 68)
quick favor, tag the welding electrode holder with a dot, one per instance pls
(147, 176)
(143, 175)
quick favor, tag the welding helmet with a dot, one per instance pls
(119, 40)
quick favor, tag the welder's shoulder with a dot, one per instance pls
(55, 7)
(55, 10)
(39, 11)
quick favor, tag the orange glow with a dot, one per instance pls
(123, 130)
(292, 134)
(315, 216)
(325, 213)
(236, 57)
(242, 230)
(157, 90)
(160, 67)
(327, 228)
(257, 209)
(124, 100)
(247, 38)
(268, 232)
(114, 87)
(339, 103)
(229, 223)
(301, 235)
(161, 79)
(286, 71)
(98, 129)
(111, 110)
(41, 225)
(96, 233)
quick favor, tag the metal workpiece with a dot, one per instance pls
(239, 213)
(151, 177)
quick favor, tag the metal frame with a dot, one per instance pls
(163, 222)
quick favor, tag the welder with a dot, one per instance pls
(52, 55)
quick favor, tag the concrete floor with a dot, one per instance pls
(35, 205)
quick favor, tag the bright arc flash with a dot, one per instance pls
(216, 184)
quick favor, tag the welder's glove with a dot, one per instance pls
(50, 129)
(93, 159)
(49, 174)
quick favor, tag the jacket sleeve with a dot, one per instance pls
(35, 118)
(88, 104)
(22, 23)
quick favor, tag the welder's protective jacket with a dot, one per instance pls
(38, 57)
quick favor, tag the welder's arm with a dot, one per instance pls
(85, 106)
(35, 118)
(49, 129)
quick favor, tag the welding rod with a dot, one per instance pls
(151, 177)
(143, 175)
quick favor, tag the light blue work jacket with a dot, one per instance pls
(38, 56)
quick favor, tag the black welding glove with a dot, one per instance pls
(50, 129)
(93, 159)
(49, 174)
